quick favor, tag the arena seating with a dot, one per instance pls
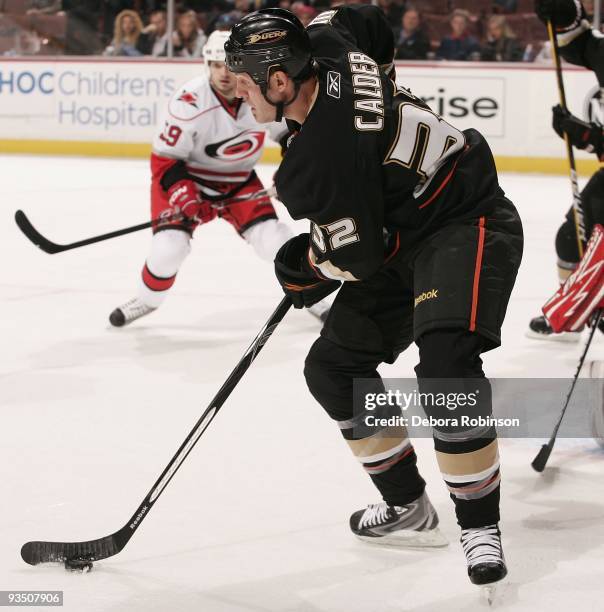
(52, 29)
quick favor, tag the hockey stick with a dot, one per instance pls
(51, 248)
(540, 460)
(93, 550)
(577, 204)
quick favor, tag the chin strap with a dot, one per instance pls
(280, 106)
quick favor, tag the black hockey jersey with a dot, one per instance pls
(584, 47)
(371, 156)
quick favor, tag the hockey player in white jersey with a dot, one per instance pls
(206, 147)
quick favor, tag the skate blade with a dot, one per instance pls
(407, 538)
(493, 594)
(566, 337)
(488, 594)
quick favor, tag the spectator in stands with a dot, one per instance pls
(222, 20)
(27, 42)
(588, 5)
(303, 12)
(109, 10)
(188, 39)
(393, 10)
(545, 54)
(198, 6)
(128, 38)
(43, 7)
(225, 22)
(460, 45)
(505, 6)
(244, 6)
(83, 36)
(412, 43)
(501, 44)
(157, 34)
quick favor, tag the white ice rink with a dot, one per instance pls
(256, 519)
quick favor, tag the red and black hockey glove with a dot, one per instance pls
(184, 198)
(564, 14)
(183, 195)
(583, 135)
(297, 277)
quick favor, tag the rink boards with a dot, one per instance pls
(102, 107)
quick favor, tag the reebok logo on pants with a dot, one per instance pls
(426, 295)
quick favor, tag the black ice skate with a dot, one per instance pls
(413, 525)
(484, 555)
(539, 329)
(130, 311)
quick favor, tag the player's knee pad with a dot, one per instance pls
(450, 353)
(592, 198)
(454, 389)
(330, 371)
(267, 237)
(169, 248)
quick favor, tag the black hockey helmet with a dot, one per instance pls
(268, 38)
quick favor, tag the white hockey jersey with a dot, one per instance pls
(220, 143)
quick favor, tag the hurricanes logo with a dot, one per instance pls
(593, 107)
(426, 295)
(272, 35)
(238, 147)
(189, 97)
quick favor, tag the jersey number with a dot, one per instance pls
(340, 234)
(423, 141)
(171, 135)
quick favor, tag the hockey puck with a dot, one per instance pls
(78, 564)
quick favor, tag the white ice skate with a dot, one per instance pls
(130, 311)
(414, 525)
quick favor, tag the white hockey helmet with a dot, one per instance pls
(213, 50)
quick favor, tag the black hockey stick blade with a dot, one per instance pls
(540, 461)
(34, 235)
(58, 552)
(94, 550)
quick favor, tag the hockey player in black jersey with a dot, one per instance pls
(409, 223)
(581, 45)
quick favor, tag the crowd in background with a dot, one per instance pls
(460, 30)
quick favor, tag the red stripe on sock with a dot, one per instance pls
(155, 283)
(388, 464)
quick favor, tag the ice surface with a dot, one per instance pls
(256, 519)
